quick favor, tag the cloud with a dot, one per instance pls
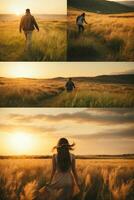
(100, 116)
(10, 128)
(109, 123)
(127, 133)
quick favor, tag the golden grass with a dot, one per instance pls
(89, 94)
(101, 179)
(27, 92)
(51, 93)
(48, 45)
(107, 37)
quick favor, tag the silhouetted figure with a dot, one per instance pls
(80, 20)
(28, 24)
(70, 86)
(64, 174)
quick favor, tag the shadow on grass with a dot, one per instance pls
(35, 54)
(116, 45)
(91, 46)
(82, 53)
(84, 47)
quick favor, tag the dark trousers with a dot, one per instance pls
(69, 90)
(81, 28)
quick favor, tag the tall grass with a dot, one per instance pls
(47, 45)
(27, 92)
(106, 37)
(51, 93)
(110, 179)
(95, 95)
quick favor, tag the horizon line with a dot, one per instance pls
(49, 155)
(56, 77)
(34, 14)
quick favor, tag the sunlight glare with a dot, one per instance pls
(22, 71)
(21, 143)
(17, 11)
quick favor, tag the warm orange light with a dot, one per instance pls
(17, 11)
(23, 71)
(21, 143)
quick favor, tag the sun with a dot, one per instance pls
(20, 143)
(22, 71)
(17, 11)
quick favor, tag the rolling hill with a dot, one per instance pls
(100, 6)
(119, 79)
(127, 3)
(100, 91)
(115, 78)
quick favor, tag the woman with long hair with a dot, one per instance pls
(64, 174)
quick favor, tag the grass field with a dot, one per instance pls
(101, 179)
(107, 37)
(27, 92)
(48, 45)
(51, 93)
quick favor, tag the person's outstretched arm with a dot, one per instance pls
(53, 169)
(75, 173)
(85, 21)
(35, 24)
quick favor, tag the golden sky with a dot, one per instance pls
(37, 7)
(95, 131)
(63, 69)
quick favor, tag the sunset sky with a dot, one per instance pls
(63, 69)
(38, 7)
(95, 131)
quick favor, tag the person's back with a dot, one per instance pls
(28, 23)
(70, 85)
(80, 20)
(58, 167)
(64, 174)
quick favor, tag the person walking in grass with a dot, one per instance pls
(28, 24)
(70, 86)
(64, 174)
(80, 20)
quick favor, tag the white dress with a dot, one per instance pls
(62, 179)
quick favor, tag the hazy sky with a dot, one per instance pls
(39, 6)
(66, 69)
(95, 131)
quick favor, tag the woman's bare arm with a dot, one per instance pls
(53, 169)
(75, 172)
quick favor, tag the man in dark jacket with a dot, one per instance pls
(28, 24)
(70, 86)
